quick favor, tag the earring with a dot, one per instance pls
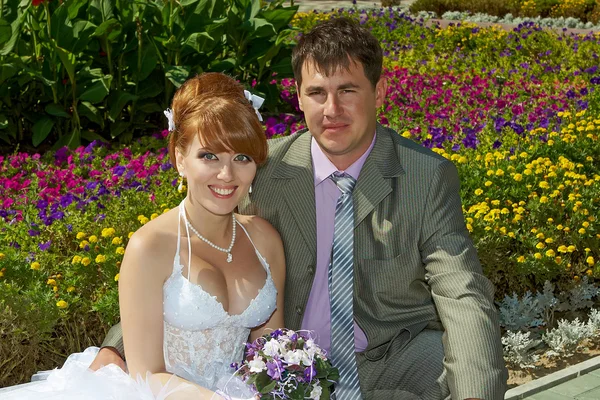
(180, 187)
(250, 190)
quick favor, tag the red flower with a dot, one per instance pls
(36, 2)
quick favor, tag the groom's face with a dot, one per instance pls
(340, 110)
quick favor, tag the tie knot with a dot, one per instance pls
(344, 182)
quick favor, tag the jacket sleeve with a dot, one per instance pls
(463, 296)
(114, 338)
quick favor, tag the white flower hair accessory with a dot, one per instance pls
(169, 114)
(256, 102)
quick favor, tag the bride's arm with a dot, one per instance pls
(269, 244)
(145, 268)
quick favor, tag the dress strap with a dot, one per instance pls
(182, 214)
(262, 259)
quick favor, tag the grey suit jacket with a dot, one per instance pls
(415, 266)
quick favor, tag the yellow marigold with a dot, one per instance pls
(590, 260)
(2, 255)
(478, 192)
(51, 282)
(543, 199)
(527, 171)
(559, 227)
(581, 231)
(83, 244)
(585, 224)
(117, 240)
(35, 265)
(130, 235)
(70, 289)
(93, 239)
(62, 304)
(571, 248)
(1, 274)
(154, 215)
(488, 183)
(550, 253)
(117, 278)
(562, 248)
(166, 210)
(499, 172)
(538, 256)
(558, 259)
(511, 235)
(567, 229)
(540, 245)
(470, 227)
(80, 235)
(100, 258)
(108, 232)
(587, 250)
(550, 220)
(518, 177)
(86, 261)
(55, 289)
(76, 260)
(521, 259)
(544, 185)
(120, 250)
(144, 221)
(540, 235)
(589, 272)
(462, 160)
(549, 240)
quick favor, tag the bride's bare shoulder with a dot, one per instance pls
(263, 234)
(155, 241)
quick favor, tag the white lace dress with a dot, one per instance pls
(201, 341)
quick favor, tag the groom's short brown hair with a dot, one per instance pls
(334, 44)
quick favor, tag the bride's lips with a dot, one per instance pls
(221, 192)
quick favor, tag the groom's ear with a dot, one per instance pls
(299, 97)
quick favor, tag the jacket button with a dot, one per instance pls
(299, 310)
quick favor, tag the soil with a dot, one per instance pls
(547, 365)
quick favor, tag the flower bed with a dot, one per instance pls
(518, 113)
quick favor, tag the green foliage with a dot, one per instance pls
(80, 70)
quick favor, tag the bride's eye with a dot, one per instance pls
(207, 156)
(242, 157)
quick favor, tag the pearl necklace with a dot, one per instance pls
(227, 250)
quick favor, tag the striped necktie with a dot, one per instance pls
(341, 292)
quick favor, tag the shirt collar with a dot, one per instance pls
(323, 167)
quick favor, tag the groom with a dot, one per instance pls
(378, 256)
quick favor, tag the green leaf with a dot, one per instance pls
(118, 101)
(3, 121)
(82, 33)
(281, 17)
(259, 28)
(107, 27)
(149, 108)
(201, 42)
(73, 140)
(91, 136)
(41, 130)
(68, 60)
(101, 9)
(57, 110)
(5, 31)
(269, 387)
(148, 62)
(7, 71)
(97, 92)
(149, 88)
(73, 7)
(16, 32)
(118, 128)
(223, 65)
(177, 74)
(87, 110)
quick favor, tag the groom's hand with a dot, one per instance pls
(107, 355)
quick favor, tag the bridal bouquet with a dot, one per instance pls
(285, 364)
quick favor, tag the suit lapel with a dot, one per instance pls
(372, 185)
(295, 172)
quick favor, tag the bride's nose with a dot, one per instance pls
(225, 173)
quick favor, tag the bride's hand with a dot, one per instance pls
(106, 356)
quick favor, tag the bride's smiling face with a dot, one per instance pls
(216, 180)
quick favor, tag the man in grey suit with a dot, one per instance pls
(424, 322)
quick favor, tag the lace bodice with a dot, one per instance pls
(201, 339)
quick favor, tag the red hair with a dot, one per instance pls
(213, 106)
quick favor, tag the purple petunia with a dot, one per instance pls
(45, 246)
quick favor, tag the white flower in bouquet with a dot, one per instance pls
(293, 357)
(257, 364)
(272, 348)
(315, 394)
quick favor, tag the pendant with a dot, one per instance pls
(229, 257)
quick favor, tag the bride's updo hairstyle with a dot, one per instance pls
(213, 106)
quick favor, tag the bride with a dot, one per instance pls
(199, 281)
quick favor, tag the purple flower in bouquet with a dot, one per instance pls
(287, 365)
